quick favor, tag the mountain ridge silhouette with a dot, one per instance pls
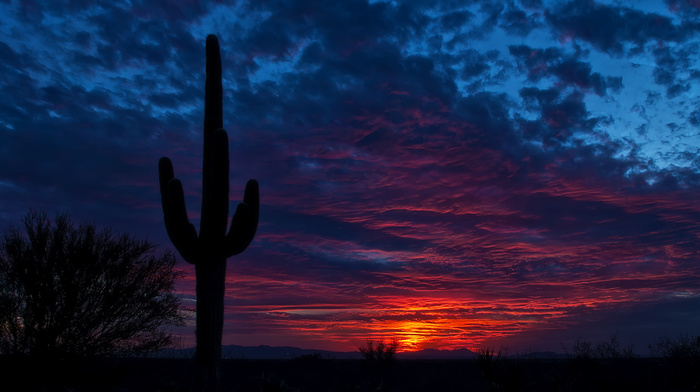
(289, 352)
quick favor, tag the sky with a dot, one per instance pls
(452, 174)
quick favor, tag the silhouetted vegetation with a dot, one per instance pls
(501, 373)
(68, 290)
(379, 359)
(683, 347)
(310, 358)
(586, 351)
(379, 351)
(209, 249)
(487, 359)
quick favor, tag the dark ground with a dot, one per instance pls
(316, 374)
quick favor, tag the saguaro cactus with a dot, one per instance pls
(209, 250)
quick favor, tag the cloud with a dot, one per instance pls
(499, 201)
(608, 28)
(673, 67)
(569, 70)
(519, 22)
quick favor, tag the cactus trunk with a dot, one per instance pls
(211, 276)
(209, 250)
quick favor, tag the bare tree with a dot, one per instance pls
(585, 352)
(73, 290)
(684, 347)
(379, 350)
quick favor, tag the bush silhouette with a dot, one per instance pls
(684, 347)
(501, 373)
(68, 290)
(586, 351)
(379, 351)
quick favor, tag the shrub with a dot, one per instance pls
(501, 373)
(487, 359)
(681, 348)
(612, 350)
(70, 290)
(379, 351)
(587, 351)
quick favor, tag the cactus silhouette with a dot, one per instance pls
(209, 250)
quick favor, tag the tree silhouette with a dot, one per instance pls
(379, 351)
(209, 250)
(68, 290)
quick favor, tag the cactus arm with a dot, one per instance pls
(244, 223)
(181, 232)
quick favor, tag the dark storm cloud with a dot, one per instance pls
(687, 8)
(520, 22)
(339, 27)
(123, 39)
(81, 151)
(568, 69)
(675, 68)
(535, 97)
(608, 28)
(531, 4)
(455, 21)
(475, 64)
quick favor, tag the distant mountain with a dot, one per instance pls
(258, 352)
(268, 352)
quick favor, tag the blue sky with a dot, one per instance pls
(451, 173)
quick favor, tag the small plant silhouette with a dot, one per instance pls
(684, 347)
(209, 250)
(379, 358)
(379, 351)
(501, 373)
(487, 358)
(584, 351)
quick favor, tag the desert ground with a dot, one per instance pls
(314, 373)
